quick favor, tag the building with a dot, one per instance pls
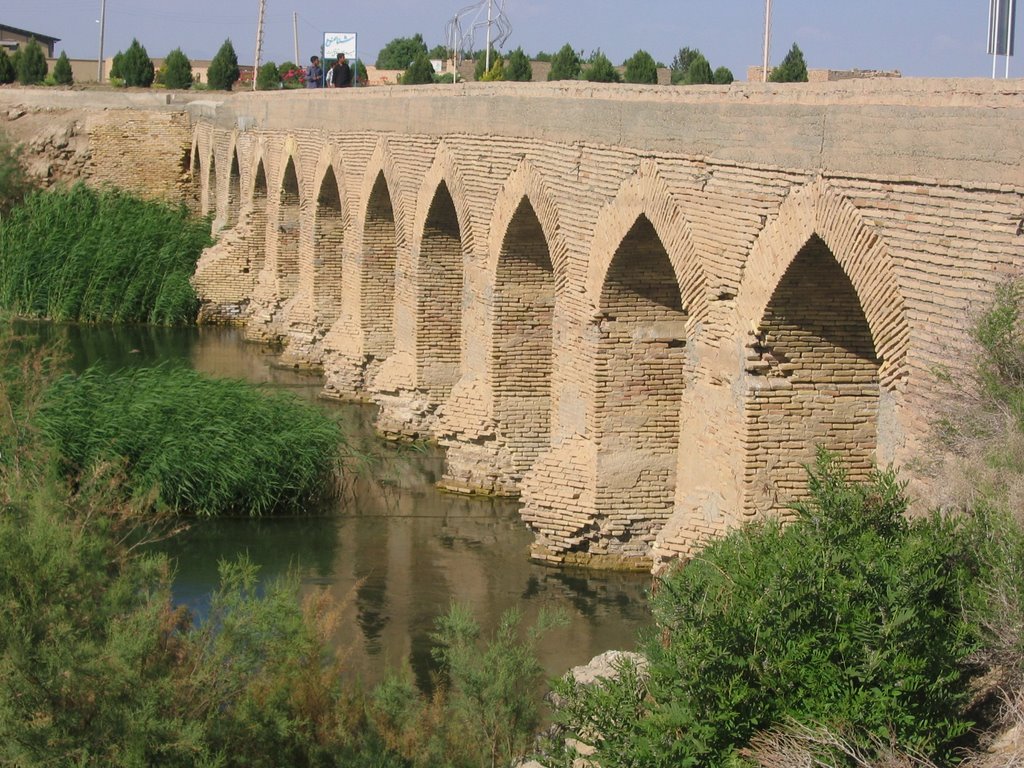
(12, 38)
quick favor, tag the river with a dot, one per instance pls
(395, 552)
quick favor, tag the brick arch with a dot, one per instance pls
(526, 182)
(441, 242)
(289, 215)
(253, 215)
(816, 210)
(194, 172)
(378, 235)
(331, 220)
(646, 194)
(827, 337)
(233, 193)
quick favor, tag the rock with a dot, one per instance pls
(606, 666)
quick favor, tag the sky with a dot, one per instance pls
(920, 38)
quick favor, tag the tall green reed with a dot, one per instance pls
(85, 255)
(204, 446)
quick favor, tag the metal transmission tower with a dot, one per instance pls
(259, 42)
(462, 29)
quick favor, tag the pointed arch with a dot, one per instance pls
(640, 370)
(330, 222)
(192, 171)
(377, 276)
(208, 195)
(255, 217)
(233, 201)
(288, 223)
(828, 336)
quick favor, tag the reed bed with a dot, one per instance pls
(202, 446)
(80, 254)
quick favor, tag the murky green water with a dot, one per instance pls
(396, 552)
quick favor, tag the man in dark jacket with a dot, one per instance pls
(341, 73)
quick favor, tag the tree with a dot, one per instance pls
(116, 65)
(681, 64)
(640, 68)
(699, 72)
(601, 70)
(480, 63)
(223, 71)
(7, 71)
(793, 68)
(543, 56)
(268, 78)
(136, 66)
(420, 72)
(496, 72)
(723, 76)
(401, 52)
(518, 67)
(31, 64)
(439, 52)
(62, 70)
(565, 65)
(177, 70)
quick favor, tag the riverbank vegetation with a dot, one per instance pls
(204, 446)
(80, 254)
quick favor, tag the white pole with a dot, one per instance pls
(103, 23)
(995, 37)
(1009, 37)
(487, 56)
(767, 38)
(295, 33)
(259, 44)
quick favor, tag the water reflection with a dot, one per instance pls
(395, 551)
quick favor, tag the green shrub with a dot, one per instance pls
(116, 66)
(223, 71)
(31, 64)
(62, 70)
(269, 78)
(479, 66)
(723, 76)
(601, 70)
(565, 65)
(497, 71)
(136, 67)
(851, 617)
(699, 72)
(793, 68)
(80, 254)
(209, 447)
(641, 68)
(420, 72)
(518, 67)
(8, 73)
(14, 181)
(177, 70)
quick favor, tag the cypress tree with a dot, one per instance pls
(518, 66)
(793, 68)
(177, 70)
(420, 72)
(62, 70)
(601, 70)
(565, 65)
(641, 68)
(7, 73)
(136, 66)
(223, 71)
(32, 67)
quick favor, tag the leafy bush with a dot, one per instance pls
(793, 68)
(496, 72)
(8, 73)
(723, 76)
(269, 78)
(223, 71)
(136, 67)
(31, 64)
(206, 446)
(62, 70)
(401, 52)
(420, 72)
(518, 67)
(565, 65)
(641, 68)
(601, 70)
(850, 617)
(116, 65)
(177, 70)
(479, 71)
(79, 254)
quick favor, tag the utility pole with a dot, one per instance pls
(767, 38)
(487, 56)
(295, 34)
(259, 43)
(103, 23)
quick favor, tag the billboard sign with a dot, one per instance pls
(1002, 18)
(341, 42)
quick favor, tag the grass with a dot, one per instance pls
(85, 255)
(204, 446)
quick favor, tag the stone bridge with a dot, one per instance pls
(640, 309)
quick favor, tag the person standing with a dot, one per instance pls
(314, 73)
(341, 73)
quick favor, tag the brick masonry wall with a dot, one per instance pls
(826, 247)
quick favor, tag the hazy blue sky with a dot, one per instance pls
(929, 38)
